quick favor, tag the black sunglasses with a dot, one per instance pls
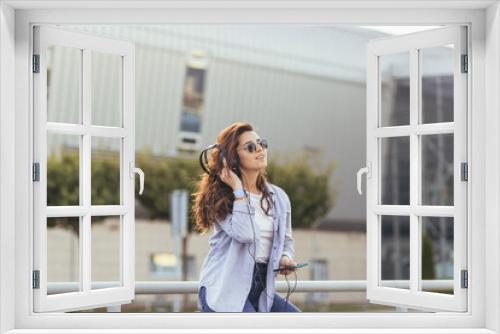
(252, 147)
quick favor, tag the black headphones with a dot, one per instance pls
(235, 163)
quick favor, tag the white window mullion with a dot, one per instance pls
(66, 211)
(128, 162)
(423, 210)
(108, 131)
(85, 255)
(420, 129)
(372, 183)
(80, 130)
(86, 264)
(80, 211)
(419, 210)
(94, 130)
(414, 174)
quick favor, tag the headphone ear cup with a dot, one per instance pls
(236, 162)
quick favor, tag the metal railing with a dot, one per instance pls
(182, 287)
(176, 287)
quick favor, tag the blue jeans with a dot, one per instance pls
(252, 302)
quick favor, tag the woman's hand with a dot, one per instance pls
(229, 177)
(287, 262)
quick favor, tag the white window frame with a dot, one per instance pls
(413, 295)
(86, 130)
(16, 152)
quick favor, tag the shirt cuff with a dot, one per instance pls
(287, 254)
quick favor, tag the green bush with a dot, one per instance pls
(63, 187)
(62, 178)
(428, 271)
(307, 187)
(162, 176)
(105, 178)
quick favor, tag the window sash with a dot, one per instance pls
(86, 297)
(411, 45)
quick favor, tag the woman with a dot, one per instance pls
(252, 227)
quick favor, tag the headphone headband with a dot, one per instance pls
(203, 156)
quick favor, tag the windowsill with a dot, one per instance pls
(260, 331)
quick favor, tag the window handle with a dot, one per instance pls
(365, 170)
(133, 171)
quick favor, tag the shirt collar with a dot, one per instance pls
(270, 189)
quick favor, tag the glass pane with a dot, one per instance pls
(437, 169)
(395, 247)
(394, 89)
(437, 84)
(395, 170)
(63, 255)
(105, 252)
(106, 171)
(437, 254)
(107, 89)
(64, 77)
(63, 169)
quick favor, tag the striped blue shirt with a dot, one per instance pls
(227, 270)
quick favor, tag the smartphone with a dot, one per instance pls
(300, 265)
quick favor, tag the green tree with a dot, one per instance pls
(307, 186)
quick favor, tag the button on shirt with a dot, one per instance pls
(227, 270)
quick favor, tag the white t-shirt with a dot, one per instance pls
(265, 223)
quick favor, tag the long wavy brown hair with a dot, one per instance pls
(213, 199)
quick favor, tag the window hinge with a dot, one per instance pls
(465, 279)
(36, 279)
(36, 63)
(464, 171)
(465, 64)
(36, 172)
